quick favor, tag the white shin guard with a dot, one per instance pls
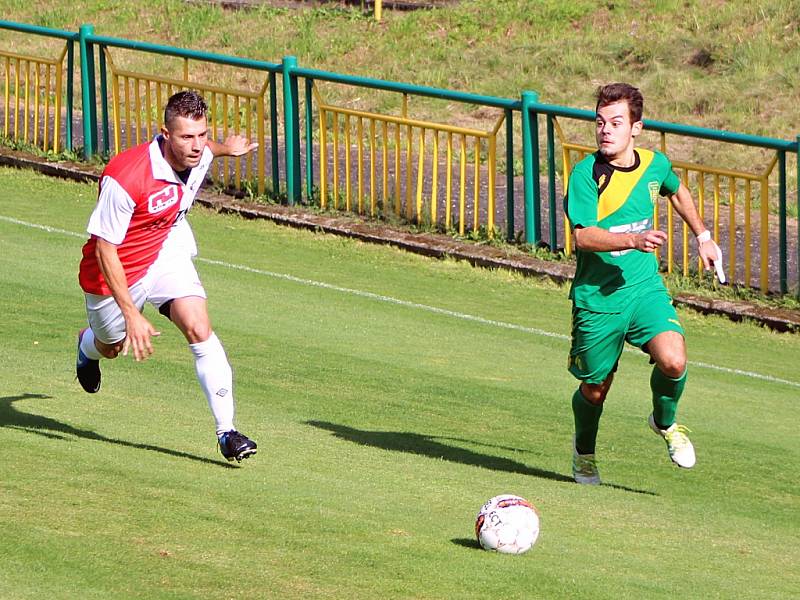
(216, 378)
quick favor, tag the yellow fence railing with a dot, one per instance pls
(33, 93)
(736, 202)
(138, 101)
(429, 173)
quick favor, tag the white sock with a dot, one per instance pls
(88, 348)
(216, 378)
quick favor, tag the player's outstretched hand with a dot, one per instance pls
(238, 145)
(711, 255)
(139, 332)
(649, 240)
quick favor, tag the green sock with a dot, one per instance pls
(587, 419)
(666, 393)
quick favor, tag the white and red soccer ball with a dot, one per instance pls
(507, 524)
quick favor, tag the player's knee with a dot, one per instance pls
(594, 393)
(198, 332)
(109, 350)
(673, 365)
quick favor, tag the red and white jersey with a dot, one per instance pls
(141, 208)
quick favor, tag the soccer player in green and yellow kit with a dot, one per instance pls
(618, 295)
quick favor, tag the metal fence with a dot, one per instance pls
(438, 174)
(748, 221)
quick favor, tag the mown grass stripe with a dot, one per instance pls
(415, 305)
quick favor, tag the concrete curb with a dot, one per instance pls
(433, 245)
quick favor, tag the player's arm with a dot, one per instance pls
(597, 239)
(706, 247)
(234, 145)
(138, 330)
(580, 205)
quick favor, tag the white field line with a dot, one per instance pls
(414, 305)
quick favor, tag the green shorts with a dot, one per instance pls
(598, 338)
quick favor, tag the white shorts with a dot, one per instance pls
(165, 280)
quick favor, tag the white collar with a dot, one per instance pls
(161, 168)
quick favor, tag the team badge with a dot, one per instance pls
(654, 189)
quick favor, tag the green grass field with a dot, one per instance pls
(391, 395)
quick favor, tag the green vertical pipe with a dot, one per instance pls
(530, 155)
(92, 96)
(289, 128)
(104, 101)
(70, 93)
(309, 141)
(273, 133)
(798, 216)
(551, 183)
(510, 233)
(782, 219)
(298, 166)
(87, 84)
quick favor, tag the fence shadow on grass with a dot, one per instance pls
(428, 445)
(12, 418)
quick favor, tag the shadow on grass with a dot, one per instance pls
(428, 445)
(470, 543)
(12, 418)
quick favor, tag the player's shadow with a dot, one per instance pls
(429, 445)
(12, 418)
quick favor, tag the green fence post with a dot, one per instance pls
(530, 154)
(298, 179)
(104, 102)
(70, 93)
(551, 183)
(782, 219)
(273, 133)
(87, 88)
(510, 233)
(309, 141)
(289, 128)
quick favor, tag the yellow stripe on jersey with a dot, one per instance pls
(621, 185)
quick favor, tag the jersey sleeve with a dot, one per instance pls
(113, 212)
(671, 182)
(580, 203)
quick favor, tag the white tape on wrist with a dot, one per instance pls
(704, 237)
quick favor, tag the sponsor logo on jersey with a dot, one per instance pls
(163, 199)
(635, 227)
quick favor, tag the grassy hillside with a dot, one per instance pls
(732, 65)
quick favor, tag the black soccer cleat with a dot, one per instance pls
(87, 370)
(235, 445)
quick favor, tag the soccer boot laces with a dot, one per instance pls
(584, 467)
(235, 445)
(680, 448)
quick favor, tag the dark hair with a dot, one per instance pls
(619, 92)
(188, 104)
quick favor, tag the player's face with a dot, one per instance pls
(615, 132)
(184, 142)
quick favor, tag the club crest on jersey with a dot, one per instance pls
(163, 199)
(654, 189)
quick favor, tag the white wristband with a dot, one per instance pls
(704, 237)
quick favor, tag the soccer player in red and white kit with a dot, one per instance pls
(140, 250)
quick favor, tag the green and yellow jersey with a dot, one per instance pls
(620, 200)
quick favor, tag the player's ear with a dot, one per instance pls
(165, 132)
(636, 128)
